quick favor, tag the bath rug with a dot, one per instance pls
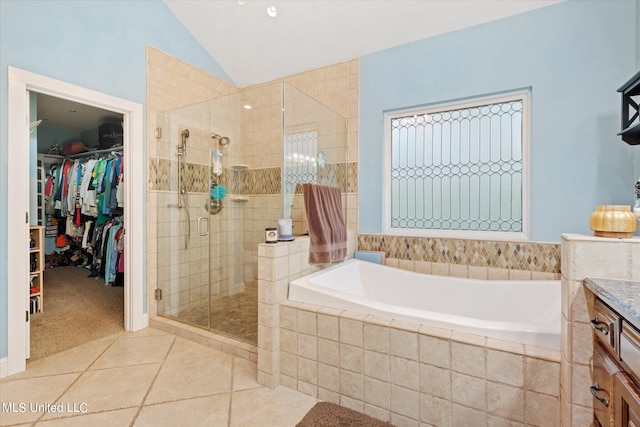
(326, 414)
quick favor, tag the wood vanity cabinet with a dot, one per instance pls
(616, 369)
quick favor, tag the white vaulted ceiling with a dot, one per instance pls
(253, 48)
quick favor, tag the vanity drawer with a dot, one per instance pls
(630, 350)
(605, 326)
(604, 368)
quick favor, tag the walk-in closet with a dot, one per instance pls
(76, 213)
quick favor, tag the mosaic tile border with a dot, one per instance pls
(162, 176)
(528, 256)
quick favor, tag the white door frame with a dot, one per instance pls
(22, 82)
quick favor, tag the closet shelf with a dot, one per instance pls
(80, 155)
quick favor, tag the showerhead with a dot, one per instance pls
(185, 133)
(222, 140)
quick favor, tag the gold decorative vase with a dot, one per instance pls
(613, 221)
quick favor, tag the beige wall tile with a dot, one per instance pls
(328, 327)
(542, 410)
(435, 411)
(377, 393)
(306, 322)
(289, 365)
(542, 376)
(351, 332)
(329, 377)
(505, 401)
(377, 337)
(468, 359)
(505, 367)
(468, 391)
(328, 352)
(307, 370)
(435, 381)
(377, 413)
(464, 416)
(351, 358)
(308, 346)
(405, 402)
(404, 373)
(352, 385)
(435, 351)
(404, 344)
(377, 365)
(495, 273)
(458, 270)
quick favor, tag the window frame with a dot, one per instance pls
(524, 234)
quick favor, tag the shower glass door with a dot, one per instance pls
(180, 182)
(207, 249)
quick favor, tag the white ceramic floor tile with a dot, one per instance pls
(135, 351)
(119, 418)
(154, 378)
(245, 374)
(109, 389)
(184, 349)
(75, 359)
(183, 379)
(209, 411)
(280, 407)
(24, 392)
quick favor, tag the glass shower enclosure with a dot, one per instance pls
(225, 170)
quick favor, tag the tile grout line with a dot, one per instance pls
(74, 381)
(141, 405)
(233, 368)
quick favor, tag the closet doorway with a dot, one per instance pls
(20, 84)
(78, 203)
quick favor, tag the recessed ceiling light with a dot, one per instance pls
(271, 11)
(240, 2)
(247, 107)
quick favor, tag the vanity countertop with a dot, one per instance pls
(621, 295)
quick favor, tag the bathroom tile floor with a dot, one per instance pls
(145, 378)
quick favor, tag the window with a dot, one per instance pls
(458, 169)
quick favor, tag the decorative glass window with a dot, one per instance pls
(460, 168)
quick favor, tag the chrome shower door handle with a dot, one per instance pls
(200, 221)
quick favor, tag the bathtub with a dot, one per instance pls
(526, 311)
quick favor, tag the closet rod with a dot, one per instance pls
(91, 153)
(80, 155)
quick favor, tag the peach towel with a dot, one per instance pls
(327, 232)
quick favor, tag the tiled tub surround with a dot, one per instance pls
(278, 264)
(477, 259)
(411, 374)
(522, 311)
(582, 257)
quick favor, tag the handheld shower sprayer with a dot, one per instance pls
(182, 148)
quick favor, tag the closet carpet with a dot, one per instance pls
(77, 309)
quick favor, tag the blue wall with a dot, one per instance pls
(573, 55)
(100, 45)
